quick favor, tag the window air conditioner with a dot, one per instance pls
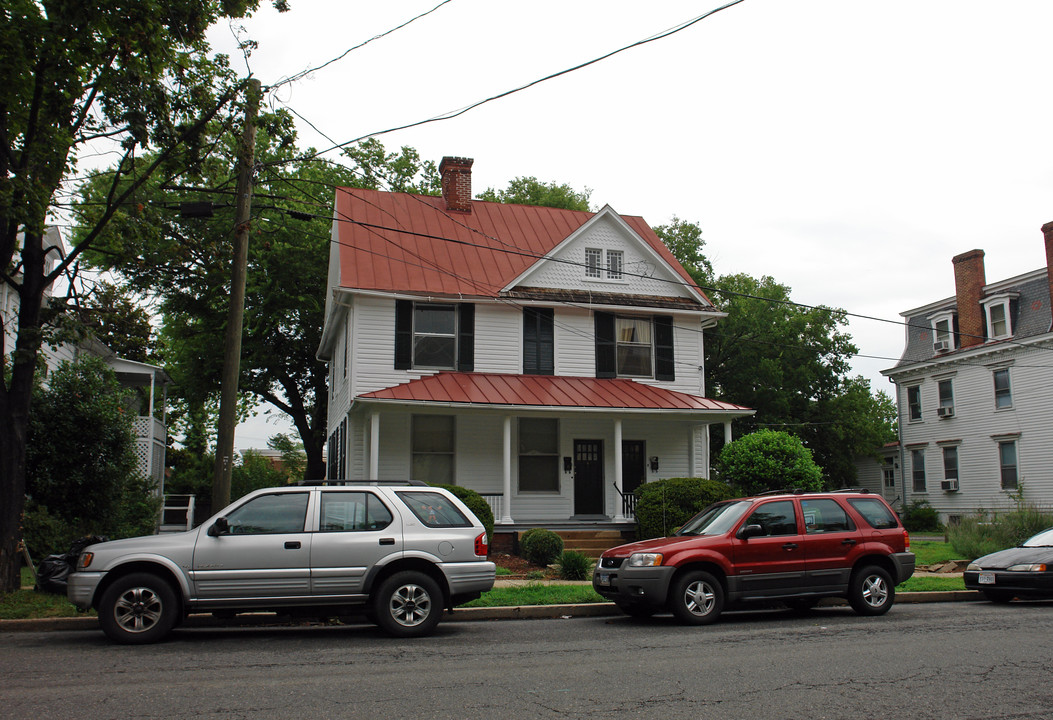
(945, 412)
(949, 485)
(941, 346)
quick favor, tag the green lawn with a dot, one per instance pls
(929, 552)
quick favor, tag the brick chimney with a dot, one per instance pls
(969, 281)
(456, 174)
(1047, 233)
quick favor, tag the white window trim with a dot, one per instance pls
(1001, 300)
(949, 317)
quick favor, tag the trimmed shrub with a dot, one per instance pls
(769, 460)
(920, 517)
(540, 546)
(477, 504)
(664, 505)
(574, 565)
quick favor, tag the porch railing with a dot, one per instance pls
(628, 503)
(495, 501)
(177, 513)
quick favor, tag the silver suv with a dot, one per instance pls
(398, 552)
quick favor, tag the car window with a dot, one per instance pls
(775, 518)
(278, 513)
(875, 512)
(1043, 539)
(716, 519)
(433, 509)
(349, 511)
(824, 516)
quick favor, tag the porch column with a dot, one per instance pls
(727, 432)
(619, 516)
(692, 451)
(506, 500)
(374, 446)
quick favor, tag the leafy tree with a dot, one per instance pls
(81, 466)
(128, 75)
(769, 460)
(117, 320)
(531, 191)
(684, 240)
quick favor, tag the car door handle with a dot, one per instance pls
(789, 546)
(292, 545)
(848, 541)
(387, 541)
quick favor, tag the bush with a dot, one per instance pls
(540, 546)
(574, 565)
(920, 517)
(769, 460)
(663, 505)
(981, 534)
(477, 504)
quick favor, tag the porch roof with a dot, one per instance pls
(546, 392)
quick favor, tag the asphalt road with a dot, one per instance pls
(941, 660)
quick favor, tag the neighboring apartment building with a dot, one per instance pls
(550, 359)
(975, 392)
(149, 383)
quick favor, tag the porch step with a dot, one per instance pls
(590, 542)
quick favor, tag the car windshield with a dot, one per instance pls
(716, 519)
(1043, 539)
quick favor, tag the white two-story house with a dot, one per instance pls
(975, 393)
(549, 359)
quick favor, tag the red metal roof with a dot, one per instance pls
(401, 242)
(545, 391)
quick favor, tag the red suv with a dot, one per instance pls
(797, 548)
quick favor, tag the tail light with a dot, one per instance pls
(482, 549)
(906, 541)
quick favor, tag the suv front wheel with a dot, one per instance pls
(696, 598)
(408, 604)
(138, 608)
(871, 591)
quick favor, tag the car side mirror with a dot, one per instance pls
(219, 527)
(751, 531)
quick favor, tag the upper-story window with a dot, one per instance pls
(538, 342)
(943, 332)
(596, 267)
(634, 346)
(434, 336)
(914, 402)
(946, 390)
(997, 312)
(1003, 392)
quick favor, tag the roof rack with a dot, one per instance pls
(329, 483)
(802, 491)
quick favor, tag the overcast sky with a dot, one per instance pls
(847, 148)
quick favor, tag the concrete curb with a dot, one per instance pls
(521, 612)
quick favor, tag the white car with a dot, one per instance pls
(399, 552)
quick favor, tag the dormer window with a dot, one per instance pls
(998, 317)
(943, 332)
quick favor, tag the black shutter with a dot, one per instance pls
(403, 334)
(538, 342)
(606, 361)
(663, 348)
(466, 337)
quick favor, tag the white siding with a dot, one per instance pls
(498, 338)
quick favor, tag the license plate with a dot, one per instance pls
(603, 579)
(987, 578)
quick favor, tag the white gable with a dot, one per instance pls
(643, 271)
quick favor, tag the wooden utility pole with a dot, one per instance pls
(228, 400)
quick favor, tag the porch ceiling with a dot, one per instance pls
(544, 392)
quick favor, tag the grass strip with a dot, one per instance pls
(537, 594)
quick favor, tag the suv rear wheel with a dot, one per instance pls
(138, 608)
(871, 591)
(696, 598)
(408, 604)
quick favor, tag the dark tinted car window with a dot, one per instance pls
(279, 513)
(875, 512)
(347, 511)
(824, 516)
(433, 509)
(776, 518)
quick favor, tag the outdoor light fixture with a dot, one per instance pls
(654, 463)
(567, 466)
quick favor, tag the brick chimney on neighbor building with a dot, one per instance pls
(969, 281)
(456, 174)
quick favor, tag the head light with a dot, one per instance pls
(85, 560)
(1028, 567)
(645, 559)
(973, 567)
